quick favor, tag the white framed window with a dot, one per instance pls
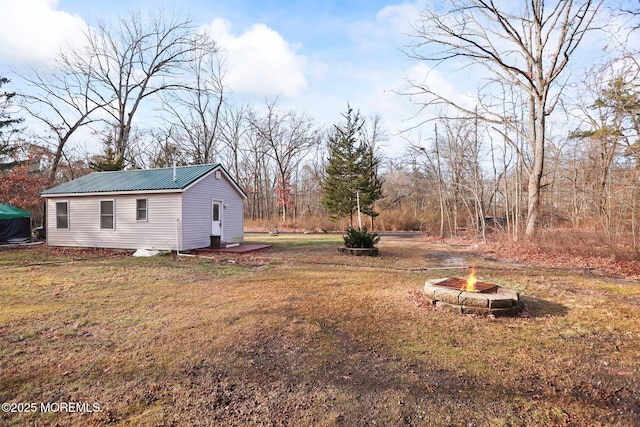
(107, 214)
(141, 209)
(62, 215)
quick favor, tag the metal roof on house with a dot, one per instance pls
(136, 180)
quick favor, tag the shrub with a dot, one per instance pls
(360, 238)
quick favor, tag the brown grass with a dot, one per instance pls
(300, 335)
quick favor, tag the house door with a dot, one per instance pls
(216, 218)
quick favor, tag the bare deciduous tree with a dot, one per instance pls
(286, 138)
(233, 131)
(527, 48)
(195, 112)
(139, 57)
(605, 141)
(60, 100)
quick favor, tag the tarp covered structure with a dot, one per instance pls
(15, 225)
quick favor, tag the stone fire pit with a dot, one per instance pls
(488, 298)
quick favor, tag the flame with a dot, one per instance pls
(470, 286)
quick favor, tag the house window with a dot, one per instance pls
(62, 215)
(141, 209)
(107, 217)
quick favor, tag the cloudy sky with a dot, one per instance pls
(315, 55)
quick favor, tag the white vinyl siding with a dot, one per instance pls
(197, 211)
(159, 232)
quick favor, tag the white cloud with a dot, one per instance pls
(390, 27)
(260, 61)
(33, 30)
(401, 17)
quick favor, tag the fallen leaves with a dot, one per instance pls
(554, 257)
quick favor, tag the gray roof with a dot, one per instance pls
(137, 180)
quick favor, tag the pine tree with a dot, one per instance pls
(352, 171)
(370, 186)
(109, 161)
(7, 123)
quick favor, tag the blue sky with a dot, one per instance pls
(316, 56)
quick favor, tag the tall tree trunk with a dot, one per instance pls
(537, 168)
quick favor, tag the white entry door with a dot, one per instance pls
(216, 218)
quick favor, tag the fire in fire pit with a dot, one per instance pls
(469, 296)
(470, 283)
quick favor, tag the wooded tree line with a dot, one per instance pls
(479, 162)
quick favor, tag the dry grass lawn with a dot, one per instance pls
(303, 336)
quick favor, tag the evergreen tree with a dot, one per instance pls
(352, 171)
(109, 161)
(7, 124)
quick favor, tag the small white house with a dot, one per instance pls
(168, 208)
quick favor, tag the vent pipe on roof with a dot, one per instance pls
(174, 170)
